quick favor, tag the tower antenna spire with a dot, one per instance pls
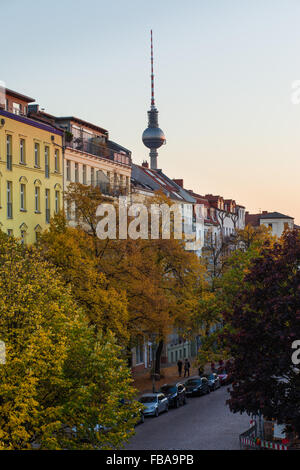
(152, 74)
(153, 137)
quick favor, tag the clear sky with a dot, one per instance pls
(223, 76)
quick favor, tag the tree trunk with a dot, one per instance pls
(158, 356)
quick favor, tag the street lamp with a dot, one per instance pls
(152, 336)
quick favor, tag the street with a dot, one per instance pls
(204, 423)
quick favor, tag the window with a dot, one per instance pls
(76, 173)
(93, 176)
(22, 197)
(36, 154)
(68, 210)
(37, 199)
(9, 152)
(47, 205)
(9, 199)
(23, 234)
(139, 353)
(56, 160)
(47, 169)
(16, 108)
(57, 202)
(10, 232)
(68, 170)
(22, 151)
(84, 174)
(76, 212)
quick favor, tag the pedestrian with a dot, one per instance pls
(212, 366)
(179, 365)
(187, 366)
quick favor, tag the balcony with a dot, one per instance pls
(112, 191)
(14, 110)
(102, 151)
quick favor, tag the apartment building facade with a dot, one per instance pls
(90, 158)
(276, 221)
(31, 182)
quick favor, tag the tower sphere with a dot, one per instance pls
(153, 137)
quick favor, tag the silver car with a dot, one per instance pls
(154, 403)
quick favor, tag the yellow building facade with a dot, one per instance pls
(31, 175)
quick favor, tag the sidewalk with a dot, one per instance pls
(143, 381)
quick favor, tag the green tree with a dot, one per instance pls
(61, 378)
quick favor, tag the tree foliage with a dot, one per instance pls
(160, 279)
(264, 321)
(60, 375)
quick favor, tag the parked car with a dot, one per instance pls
(223, 376)
(175, 394)
(197, 386)
(154, 403)
(214, 381)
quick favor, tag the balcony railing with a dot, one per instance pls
(11, 109)
(98, 150)
(113, 191)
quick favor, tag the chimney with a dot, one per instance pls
(145, 164)
(179, 182)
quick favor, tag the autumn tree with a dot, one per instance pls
(264, 322)
(61, 378)
(160, 278)
(72, 251)
(220, 295)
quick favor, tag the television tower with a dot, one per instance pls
(153, 137)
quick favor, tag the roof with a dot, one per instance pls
(254, 219)
(275, 215)
(83, 123)
(15, 94)
(118, 147)
(32, 122)
(156, 180)
(150, 394)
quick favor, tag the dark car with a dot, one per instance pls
(197, 386)
(213, 381)
(175, 394)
